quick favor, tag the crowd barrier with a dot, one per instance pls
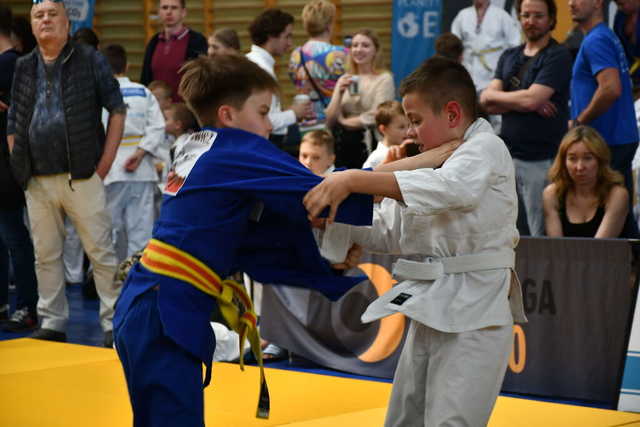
(579, 296)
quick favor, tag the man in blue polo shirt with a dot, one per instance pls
(601, 94)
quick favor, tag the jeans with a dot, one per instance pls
(16, 247)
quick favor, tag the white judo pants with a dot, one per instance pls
(49, 200)
(132, 212)
(448, 379)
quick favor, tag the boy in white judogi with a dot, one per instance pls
(131, 181)
(460, 220)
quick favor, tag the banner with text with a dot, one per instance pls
(416, 25)
(578, 298)
(80, 13)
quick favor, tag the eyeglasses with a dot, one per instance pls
(535, 16)
(42, 1)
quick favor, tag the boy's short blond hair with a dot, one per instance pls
(439, 80)
(321, 138)
(386, 112)
(182, 114)
(317, 16)
(162, 85)
(208, 83)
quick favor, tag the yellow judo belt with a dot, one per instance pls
(481, 53)
(235, 304)
(130, 141)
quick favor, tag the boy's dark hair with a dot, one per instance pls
(116, 57)
(440, 80)
(270, 23)
(448, 45)
(386, 111)
(209, 83)
(552, 10)
(320, 138)
(6, 20)
(86, 36)
(160, 84)
(182, 114)
(228, 37)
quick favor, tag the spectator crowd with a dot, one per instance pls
(85, 152)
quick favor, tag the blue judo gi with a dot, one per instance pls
(161, 324)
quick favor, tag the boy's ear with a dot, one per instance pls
(453, 112)
(226, 115)
(382, 129)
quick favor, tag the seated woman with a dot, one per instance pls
(351, 112)
(586, 198)
(224, 41)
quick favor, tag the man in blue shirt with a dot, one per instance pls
(601, 95)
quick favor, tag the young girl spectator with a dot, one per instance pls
(586, 198)
(224, 41)
(357, 95)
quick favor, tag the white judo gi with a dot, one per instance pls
(130, 194)
(483, 45)
(462, 296)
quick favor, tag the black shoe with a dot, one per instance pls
(4, 313)
(21, 320)
(49, 335)
(108, 339)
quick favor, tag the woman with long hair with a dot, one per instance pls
(586, 198)
(356, 96)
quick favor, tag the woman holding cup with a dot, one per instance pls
(356, 97)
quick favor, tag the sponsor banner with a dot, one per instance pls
(578, 295)
(416, 25)
(80, 13)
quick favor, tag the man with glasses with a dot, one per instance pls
(60, 155)
(169, 49)
(531, 91)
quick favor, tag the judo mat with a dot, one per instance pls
(47, 384)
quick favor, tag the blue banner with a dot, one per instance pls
(416, 25)
(80, 13)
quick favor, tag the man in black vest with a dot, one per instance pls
(60, 154)
(531, 91)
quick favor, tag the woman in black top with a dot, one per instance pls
(586, 198)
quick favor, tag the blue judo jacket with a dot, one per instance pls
(239, 208)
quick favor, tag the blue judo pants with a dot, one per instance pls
(164, 381)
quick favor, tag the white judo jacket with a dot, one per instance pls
(143, 128)
(483, 47)
(460, 217)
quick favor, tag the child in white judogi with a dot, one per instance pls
(460, 220)
(131, 181)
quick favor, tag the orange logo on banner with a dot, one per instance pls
(518, 358)
(392, 327)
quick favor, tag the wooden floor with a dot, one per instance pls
(45, 384)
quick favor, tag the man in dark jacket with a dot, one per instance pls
(169, 49)
(60, 154)
(14, 236)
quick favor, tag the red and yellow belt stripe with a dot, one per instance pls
(235, 304)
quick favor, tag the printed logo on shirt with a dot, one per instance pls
(400, 299)
(133, 91)
(186, 156)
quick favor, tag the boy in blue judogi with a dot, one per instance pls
(232, 204)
